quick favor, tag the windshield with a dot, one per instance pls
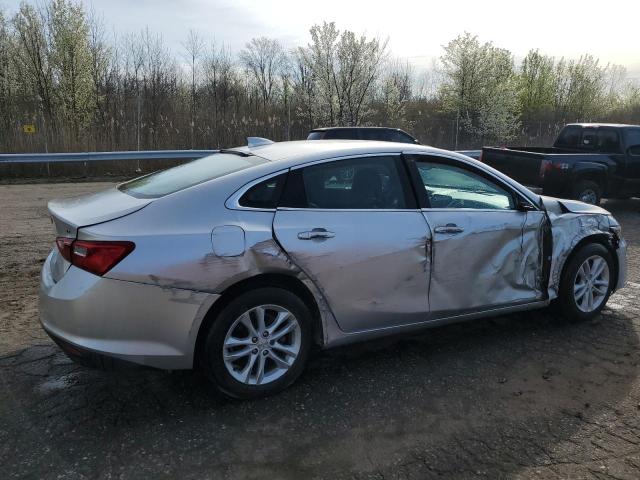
(184, 176)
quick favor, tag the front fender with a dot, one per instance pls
(568, 230)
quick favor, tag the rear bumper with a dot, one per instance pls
(91, 316)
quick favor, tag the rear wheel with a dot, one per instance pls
(586, 282)
(587, 191)
(259, 343)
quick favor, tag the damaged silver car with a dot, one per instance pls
(238, 263)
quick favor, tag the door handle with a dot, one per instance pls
(316, 233)
(451, 228)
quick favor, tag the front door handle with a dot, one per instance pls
(450, 228)
(316, 233)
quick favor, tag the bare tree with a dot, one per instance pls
(264, 58)
(194, 47)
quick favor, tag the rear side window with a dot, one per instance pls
(400, 137)
(342, 134)
(264, 194)
(589, 139)
(359, 183)
(315, 136)
(569, 137)
(184, 176)
(372, 134)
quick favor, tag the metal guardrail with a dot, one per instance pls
(6, 158)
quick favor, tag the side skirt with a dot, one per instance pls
(335, 337)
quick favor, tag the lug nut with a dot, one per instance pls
(272, 342)
(254, 339)
(254, 351)
(265, 352)
(265, 334)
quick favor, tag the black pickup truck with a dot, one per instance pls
(587, 162)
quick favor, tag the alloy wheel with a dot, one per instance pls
(262, 345)
(591, 285)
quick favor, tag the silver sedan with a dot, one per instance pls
(238, 263)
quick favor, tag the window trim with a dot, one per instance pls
(233, 201)
(423, 200)
(403, 174)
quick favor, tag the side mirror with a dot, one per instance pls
(524, 206)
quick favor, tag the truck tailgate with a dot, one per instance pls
(523, 167)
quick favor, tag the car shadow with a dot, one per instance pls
(490, 397)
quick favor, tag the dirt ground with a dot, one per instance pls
(522, 396)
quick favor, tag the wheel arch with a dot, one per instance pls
(281, 280)
(603, 239)
(593, 172)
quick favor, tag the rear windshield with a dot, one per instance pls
(184, 176)
(569, 137)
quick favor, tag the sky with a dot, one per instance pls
(416, 29)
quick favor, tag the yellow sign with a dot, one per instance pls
(29, 128)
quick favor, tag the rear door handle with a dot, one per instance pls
(316, 233)
(450, 228)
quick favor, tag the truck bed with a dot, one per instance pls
(525, 164)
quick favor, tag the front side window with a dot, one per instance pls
(608, 141)
(632, 138)
(358, 183)
(184, 176)
(448, 186)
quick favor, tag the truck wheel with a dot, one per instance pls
(587, 191)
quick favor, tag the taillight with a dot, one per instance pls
(545, 167)
(97, 257)
(64, 246)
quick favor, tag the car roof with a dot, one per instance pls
(596, 125)
(324, 129)
(303, 151)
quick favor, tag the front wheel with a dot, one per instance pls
(259, 343)
(586, 282)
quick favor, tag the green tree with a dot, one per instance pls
(71, 63)
(536, 81)
(479, 88)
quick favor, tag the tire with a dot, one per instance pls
(235, 369)
(587, 191)
(571, 303)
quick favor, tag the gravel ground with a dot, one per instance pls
(522, 396)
